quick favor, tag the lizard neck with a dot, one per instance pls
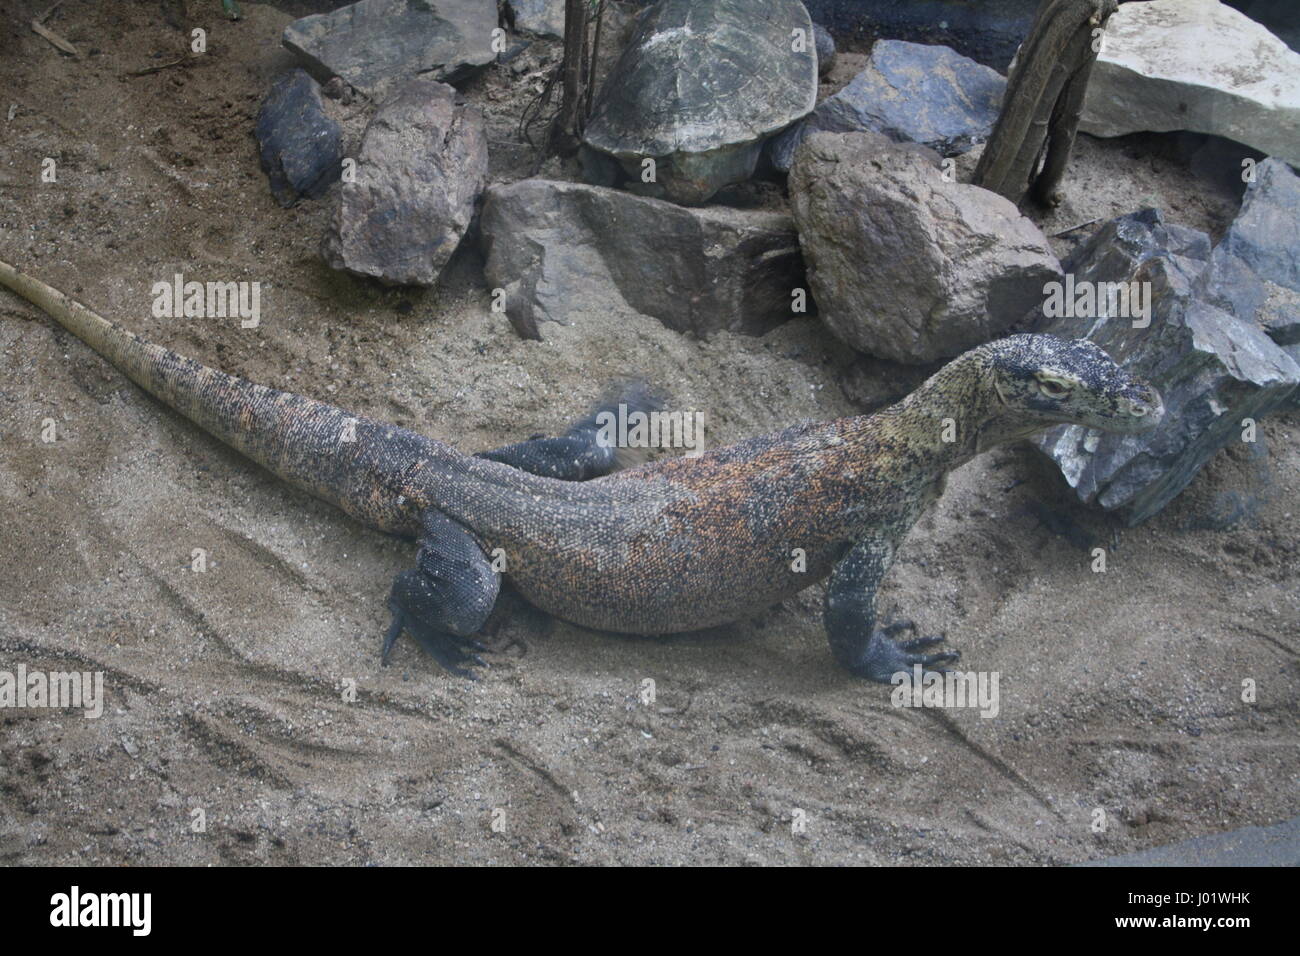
(954, 416)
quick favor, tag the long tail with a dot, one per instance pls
(353, 462)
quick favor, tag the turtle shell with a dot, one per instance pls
(704, 75)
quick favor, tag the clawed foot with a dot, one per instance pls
(885, 657)
(456, 654)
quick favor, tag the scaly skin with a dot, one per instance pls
(675, 545)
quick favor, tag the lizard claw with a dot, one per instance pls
(885, 657)
(453, 653)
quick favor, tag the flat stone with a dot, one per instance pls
(1195, 65)
(560, 249)
(376, 44)
(911, 93)
(421, 167)
(301, 148)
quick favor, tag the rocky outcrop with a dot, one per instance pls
(300, 147)
(1195, 65)
(912, 93)
(560, 249)
(377, 44)
(1216, 371)
(905, 265)
(421, 167)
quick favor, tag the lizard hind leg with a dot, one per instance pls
(444, 600)
(582, 452)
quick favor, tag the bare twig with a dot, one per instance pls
(1066, 232)
(159, 68)
(42, 30)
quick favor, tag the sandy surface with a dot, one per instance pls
(1120, 691)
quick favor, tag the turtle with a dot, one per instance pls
(698, 89)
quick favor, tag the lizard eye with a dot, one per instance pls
(1053, 387)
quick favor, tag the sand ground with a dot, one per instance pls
(1120, 692)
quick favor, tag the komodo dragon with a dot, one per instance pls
(678, 544)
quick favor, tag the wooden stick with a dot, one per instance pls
(1044, 98)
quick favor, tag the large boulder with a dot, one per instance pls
(904, 264)
(1195, 65)
(560, 249)
(301, 148)
(421, 167)
(697, 90)
(912, 93)
(1214, 369)
(376, 44)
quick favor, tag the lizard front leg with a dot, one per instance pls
(850, 618)
(446, 598)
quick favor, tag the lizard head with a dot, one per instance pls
(1048, 380)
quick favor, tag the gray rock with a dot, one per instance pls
(903, 264)
(1254, 272)
(912, 93)
(1266, 233)
(301, 148)
(1232, 285)
(700, 86)
(542, 17)
(376, 44)
(825, 49)
(421, 167)
(1212, 368)
(561, 249)
(1195, 65)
